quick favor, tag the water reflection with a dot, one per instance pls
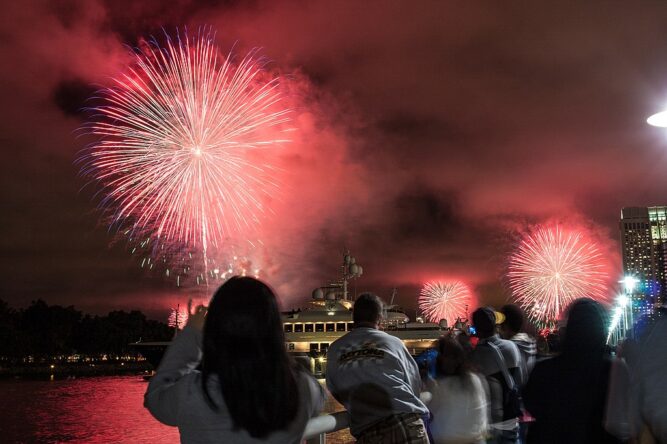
(90, 410)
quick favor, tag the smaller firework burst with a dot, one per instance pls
(178, 317)
(445, 300)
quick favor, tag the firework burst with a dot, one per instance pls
(181, 152)
(551, 268)
(445, 300)
(178, 317)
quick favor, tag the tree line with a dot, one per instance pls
(43, 331)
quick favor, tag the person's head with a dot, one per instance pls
(244, 346)
(464, 341)
(585, 331)
(513, 322)
(484, 321)
(542, 346)
(452, 360)
(367, 310)
(554, 342)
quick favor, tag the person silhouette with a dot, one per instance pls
(247, 389)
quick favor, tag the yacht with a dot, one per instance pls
(310, 330)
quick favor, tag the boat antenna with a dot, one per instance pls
(351, 270)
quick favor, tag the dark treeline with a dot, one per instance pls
(42, 332)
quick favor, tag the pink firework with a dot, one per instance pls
(551, 268)
(445, 300)
(178, 317)
(182, 142)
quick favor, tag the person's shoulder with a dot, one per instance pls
(482, 348)
(379, 336)
(304, 377)
(396, 344)
(546, 365)
(478, 382)
(523, 338)
(335, 348)
(390, 338)
(310, 389)
(475, 377)
(345, 339)
(507, 343)
(510, 346)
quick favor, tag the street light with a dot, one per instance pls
(629, 283)
(623, 304)
(613, 328)
(658, 119)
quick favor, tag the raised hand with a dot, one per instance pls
(196, 315)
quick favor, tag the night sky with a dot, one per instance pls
(430, 136)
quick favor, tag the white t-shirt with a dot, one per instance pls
(460, 409)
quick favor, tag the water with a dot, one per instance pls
(89, 410)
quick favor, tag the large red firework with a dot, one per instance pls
(552, 267)
(179, 157)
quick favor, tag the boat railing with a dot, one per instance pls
(318, 427)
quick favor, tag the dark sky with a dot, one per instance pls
(431, 134)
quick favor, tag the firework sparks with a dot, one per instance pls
(551, 268)
(445, 300)
(178, 317)
(181, 137)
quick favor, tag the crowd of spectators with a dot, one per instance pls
(228, 378)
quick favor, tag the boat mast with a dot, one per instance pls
(351, 270)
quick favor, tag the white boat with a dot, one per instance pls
(310, 330)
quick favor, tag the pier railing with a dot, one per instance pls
(318, 427)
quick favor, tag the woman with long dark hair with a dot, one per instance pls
(247, 388)
(459, 405)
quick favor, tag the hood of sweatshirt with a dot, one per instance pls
(525, 343)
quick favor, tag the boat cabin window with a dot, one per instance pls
(350, 326)
(340, 326)
(309, 327)
(324, 346)
(291, 346)
(319, 327)
(288, 328)
(331, 326)
(298, 328)
(314, 346)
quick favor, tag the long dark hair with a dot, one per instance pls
(452, 359)
(244, 346)
(586, 330)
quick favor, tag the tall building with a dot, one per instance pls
(644, 244)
